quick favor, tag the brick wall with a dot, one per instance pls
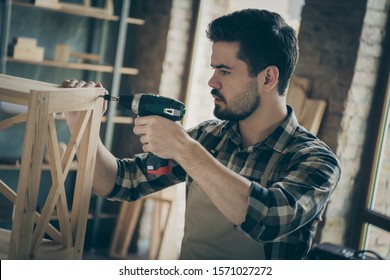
(340, 45)
(173, 84)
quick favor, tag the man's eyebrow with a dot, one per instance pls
(219, 66)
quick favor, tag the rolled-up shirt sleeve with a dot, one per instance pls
(294, 198)
(134, 182)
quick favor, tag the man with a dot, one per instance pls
(257, 182)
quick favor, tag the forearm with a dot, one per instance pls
(105, 171)
(227, 189)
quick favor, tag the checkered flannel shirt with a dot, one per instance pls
(284, 214)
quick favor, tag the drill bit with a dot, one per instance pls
(109, 97)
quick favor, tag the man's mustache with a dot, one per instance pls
(216, 93)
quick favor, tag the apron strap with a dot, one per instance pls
(274, 158)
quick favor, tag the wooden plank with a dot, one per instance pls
(27, 42)
(57, 189)
(297, 94)
(11, 196)
(16, 90)
(162, 213)
(312, 115)
(129, 215)
(47, 3)
(94, 13)
(28, 53)
(86, 56)
(86, 155)
(30, 175)
(109, 6)
(13, 121)
(74, 141)
(7, 192)
(79, 66)
(61, 53)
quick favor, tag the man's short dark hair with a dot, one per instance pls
(265, 39)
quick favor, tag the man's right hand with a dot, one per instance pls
(72, 117)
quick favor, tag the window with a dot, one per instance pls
(375, 206)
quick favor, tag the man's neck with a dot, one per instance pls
(261, 124)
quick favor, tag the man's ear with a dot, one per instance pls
(269, 77)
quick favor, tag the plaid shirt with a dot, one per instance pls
(284, 214)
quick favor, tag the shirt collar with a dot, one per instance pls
(280, 137)
(277, 140)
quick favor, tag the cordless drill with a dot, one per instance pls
(147, 104)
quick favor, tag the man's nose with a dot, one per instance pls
(213, 82)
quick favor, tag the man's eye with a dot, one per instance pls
(224, 72)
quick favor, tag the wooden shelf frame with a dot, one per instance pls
(44, 100)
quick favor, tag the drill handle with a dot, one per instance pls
(157, 165)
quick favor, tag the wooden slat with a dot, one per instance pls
(76, 10)
(30, 175)
(298, 90)
(308, 111)
(13, 121)
(11, 196)
(17, 91)
(312, 115)
(57, 189)
(78, 66)
(127, 220)
(160, 224)
(86, 155)
(23, 86)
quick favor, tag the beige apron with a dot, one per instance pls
(208, 234)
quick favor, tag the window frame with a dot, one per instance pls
(380, 114)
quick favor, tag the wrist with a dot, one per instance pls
(185, 150)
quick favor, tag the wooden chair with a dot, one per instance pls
(309, 111)
(26, 239)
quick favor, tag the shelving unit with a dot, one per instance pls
(116, 69)
(78, 10)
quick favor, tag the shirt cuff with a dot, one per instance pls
(256, 211)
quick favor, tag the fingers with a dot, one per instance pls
(89, 84)
(73, 83)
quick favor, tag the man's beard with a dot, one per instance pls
(241, 107)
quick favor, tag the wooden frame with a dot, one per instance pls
(129, 216)
(43, 101)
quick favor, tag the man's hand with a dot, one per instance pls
(106, 167)
(160, 136)
(72, 117)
